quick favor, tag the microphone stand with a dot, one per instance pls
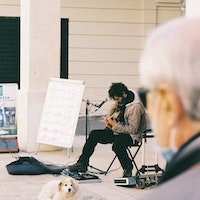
(88, 103)
(86, 119)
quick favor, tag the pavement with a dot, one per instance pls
(27, 187)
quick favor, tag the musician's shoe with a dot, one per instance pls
(128, 172)
(77, 167)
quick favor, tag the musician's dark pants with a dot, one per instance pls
(105, 136)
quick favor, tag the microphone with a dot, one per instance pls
(101, 104)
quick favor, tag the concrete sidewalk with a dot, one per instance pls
(15, 187)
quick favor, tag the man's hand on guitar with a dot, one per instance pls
(112, 122)
(106, 122)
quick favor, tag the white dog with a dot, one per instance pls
(64, 189)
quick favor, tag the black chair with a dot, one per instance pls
(137, 145)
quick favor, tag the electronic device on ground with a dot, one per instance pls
(139, 181)
(125, 181)
(82, 177)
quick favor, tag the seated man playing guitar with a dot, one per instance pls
(125, 123)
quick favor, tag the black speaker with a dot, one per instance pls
(8, 144)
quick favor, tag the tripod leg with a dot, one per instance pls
(111, 164)
(101, 171)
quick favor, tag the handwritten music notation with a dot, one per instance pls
(60, 112)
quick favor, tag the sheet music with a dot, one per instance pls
(60, 112)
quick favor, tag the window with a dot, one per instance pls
(64, 49)
(10, 50)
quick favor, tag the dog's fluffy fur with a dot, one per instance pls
(64, 189)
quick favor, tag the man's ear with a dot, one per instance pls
(170, 104)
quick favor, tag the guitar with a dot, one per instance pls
(114, 116)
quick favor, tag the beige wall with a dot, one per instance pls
(9, 8)
(106, 38)
(105, 42)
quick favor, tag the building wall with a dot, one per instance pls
(105, 42)
(106, 39)
(10, 8)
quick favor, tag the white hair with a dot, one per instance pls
(172, 56)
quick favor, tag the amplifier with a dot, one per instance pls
(8, 144)
(125, 181)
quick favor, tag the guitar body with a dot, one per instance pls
(114, 116)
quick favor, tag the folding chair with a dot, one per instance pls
(138, 146)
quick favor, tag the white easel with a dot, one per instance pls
(60, 112)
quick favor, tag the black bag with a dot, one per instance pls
(31, 166)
